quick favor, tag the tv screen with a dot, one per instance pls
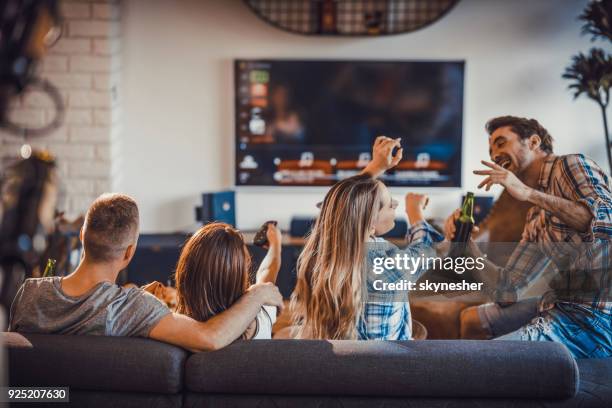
(312, 123)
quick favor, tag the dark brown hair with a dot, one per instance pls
(212, 271)
(524, 128)
(111, 225)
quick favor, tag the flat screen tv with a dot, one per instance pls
(313, 122)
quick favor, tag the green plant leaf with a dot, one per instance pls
(597, 18)
(591, 74)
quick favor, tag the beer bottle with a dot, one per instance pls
(50, 268)
(465, 222)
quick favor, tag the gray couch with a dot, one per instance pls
(111, 371)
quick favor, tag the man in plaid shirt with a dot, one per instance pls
(567, 235)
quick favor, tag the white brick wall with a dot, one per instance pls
(84, 65)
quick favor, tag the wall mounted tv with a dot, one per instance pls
(312, 122)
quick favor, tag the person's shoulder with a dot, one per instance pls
(131, 291)
(138, 294)
(36, 284)
(578, 166)
(377, 245)
(576, 160)
(33, 289)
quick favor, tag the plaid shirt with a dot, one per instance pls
(549, 246)
(391, 320)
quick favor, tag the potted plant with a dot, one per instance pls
(591, 74)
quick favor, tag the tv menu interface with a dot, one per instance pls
(309, 123)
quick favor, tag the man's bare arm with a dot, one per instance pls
(220, 330)
(572, 213)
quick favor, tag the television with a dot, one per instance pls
(313, 122)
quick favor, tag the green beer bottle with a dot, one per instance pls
(50, 268)
(465, 222)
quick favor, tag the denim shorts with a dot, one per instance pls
(586, 332)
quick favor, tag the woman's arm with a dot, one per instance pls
(422, 237)
(269, 267)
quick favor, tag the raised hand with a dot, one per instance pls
(274, 236)
(382, 155)
(415, 204)
(498, 175)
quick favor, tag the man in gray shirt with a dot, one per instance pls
(89, 302)
(105, 310)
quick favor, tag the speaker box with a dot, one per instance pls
(300, 226)
(219, 206)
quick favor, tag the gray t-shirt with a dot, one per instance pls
(106, 310)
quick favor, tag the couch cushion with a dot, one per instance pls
(436, 368)
(595, 382)
(595, 392)
(97, 363)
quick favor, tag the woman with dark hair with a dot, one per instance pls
(213, 273)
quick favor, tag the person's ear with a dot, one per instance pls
(129, 252)
(534, 141)
(81, 236)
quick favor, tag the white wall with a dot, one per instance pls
(178, 93)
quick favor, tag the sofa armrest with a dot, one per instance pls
(95, 363)
(436, 368)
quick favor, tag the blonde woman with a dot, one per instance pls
(330, 300)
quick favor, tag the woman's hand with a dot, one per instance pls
(415, 204)
(274, 235)
(382, 156)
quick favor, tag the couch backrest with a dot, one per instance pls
(95, 363)
(435, 368)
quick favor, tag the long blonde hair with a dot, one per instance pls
(327, 300)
